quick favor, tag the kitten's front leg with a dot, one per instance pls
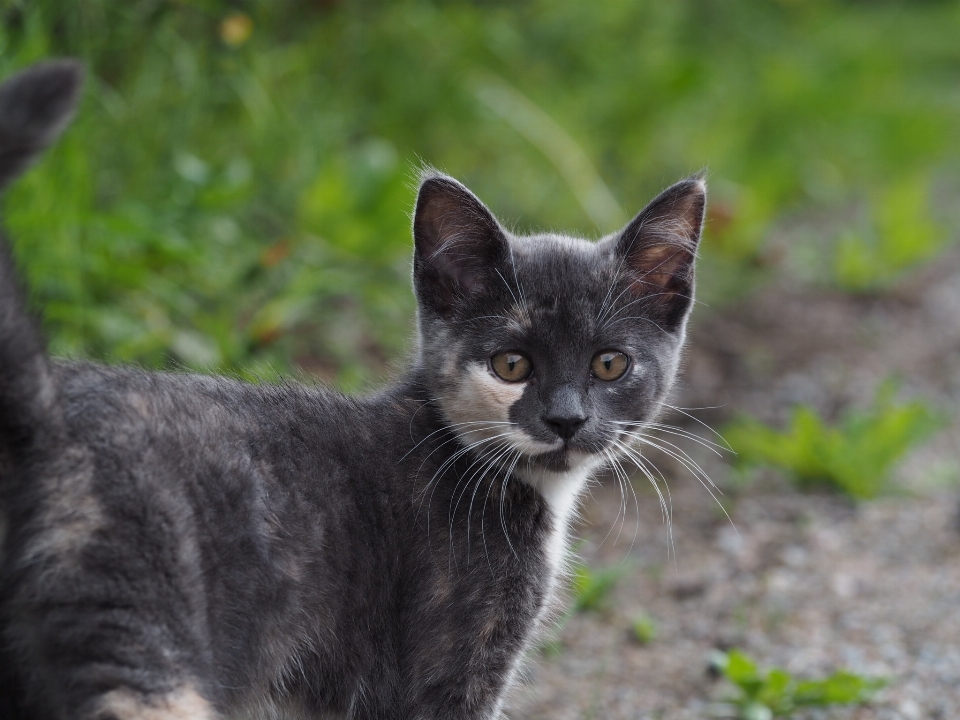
(463, 660)
(474, 594)
(479, 695)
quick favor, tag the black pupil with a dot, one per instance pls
(512, 361)
(607, 361)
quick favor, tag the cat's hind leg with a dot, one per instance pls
(102, 604)
(99, 666)
(115, 675)
(181, 703)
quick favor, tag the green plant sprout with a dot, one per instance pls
(902, 235)
(644, 629)
(855, 456)
(773, 693)
(591, 588)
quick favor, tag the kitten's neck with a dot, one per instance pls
(562, 492)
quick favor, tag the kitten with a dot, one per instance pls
(184, 546)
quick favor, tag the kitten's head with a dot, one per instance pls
(543, 349)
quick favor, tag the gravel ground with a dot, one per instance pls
(811, 583)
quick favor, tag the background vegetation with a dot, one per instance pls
(235, 192)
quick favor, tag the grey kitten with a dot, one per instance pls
(185, 546)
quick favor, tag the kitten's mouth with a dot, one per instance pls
(563, 458)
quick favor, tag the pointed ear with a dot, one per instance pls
(659, 246)
(458, 243)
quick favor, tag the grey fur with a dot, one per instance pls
(188, 546)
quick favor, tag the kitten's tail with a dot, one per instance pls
(35, 106)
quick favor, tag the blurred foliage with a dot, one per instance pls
(855, 456)
(591, 587)
(236, 189)
(904, 234)
(766, 694)
(644, 629)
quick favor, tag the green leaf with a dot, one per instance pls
(775, 693)
(592, 587)
(644, 629)
(840, 688)
(856, 455)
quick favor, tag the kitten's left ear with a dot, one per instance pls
(659, 245)
(458, 244)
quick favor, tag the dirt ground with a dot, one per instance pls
(811, 583)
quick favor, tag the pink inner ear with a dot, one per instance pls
(659, 264)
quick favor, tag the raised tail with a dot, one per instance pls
(35, 106)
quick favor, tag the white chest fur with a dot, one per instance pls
(562, 492)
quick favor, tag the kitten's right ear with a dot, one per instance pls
(458, 243)
(35, 106)
(659, 247)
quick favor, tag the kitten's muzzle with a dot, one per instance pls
(565, 413)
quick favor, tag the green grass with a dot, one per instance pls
(644, 629)
(902, 234)
(774, 693)
(590, 590)
(855, 456)
(591, 587)
(231, 200)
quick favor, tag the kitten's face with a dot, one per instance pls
(547, 350)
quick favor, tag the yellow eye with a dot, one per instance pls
(511, 366)
(609, 365)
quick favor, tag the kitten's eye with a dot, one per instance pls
(609, 365)
(511, 366)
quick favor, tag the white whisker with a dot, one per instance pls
(678, 431)
(507, 472)
(683, 411)
(677, 452)
(636, 503)
(644, 465)
(443, 467)
(499, 452)
(503, 520)
(690, 464)
(450, 426)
